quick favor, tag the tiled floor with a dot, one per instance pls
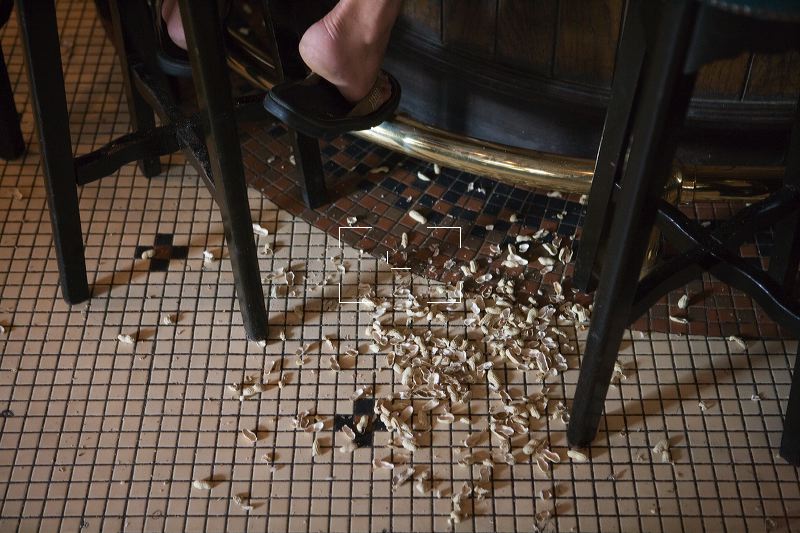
(489, 214)
(100, 435)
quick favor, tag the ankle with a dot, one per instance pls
(373, 18)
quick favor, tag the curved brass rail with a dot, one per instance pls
(531, 168)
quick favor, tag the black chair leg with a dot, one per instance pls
(142, 115)
(659, 114)
(785, 259)
(39, 31)
(280, 19)
(12, 144)
(309, 165)
(790, 440)
(611, 152)
(204, 36)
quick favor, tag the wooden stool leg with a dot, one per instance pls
(279, 14)
(39, 32)
(658, 116)
(613, 144)
(209, 70)
(142, 115)
(12, 144)
(785, 258)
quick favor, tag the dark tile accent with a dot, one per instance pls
(451, 196)
(340, 421)
(364, 439)
(164, 252)
(163, 239)
(478, 231)
(393, 185)
(364, 406)
(427, 200)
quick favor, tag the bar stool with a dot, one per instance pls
(12, 144)
(208, 138)
(285, 21)
(663, 45)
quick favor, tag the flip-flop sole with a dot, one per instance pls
(319, 126)
(172, 65)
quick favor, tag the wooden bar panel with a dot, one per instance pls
(469, 25)
(425, 16)
(586, 41)
(723, 79)
(774, 76)
(526, 34)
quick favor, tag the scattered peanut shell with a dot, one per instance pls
(315, 448)
(531, 447)
(474, 439)
(417, 216)
(250, 435)
(358, 393)
(243, 501)
(662, 449)
(494, 381)
(380, 464)
(251, 390)
(738, 341)
(126, 339)
(578, 457)
(202, 484)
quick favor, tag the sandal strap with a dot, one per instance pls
(381, 91)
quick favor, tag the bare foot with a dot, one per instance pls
(172, 16)
(346, 47)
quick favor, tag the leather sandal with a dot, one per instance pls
(315, 107)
